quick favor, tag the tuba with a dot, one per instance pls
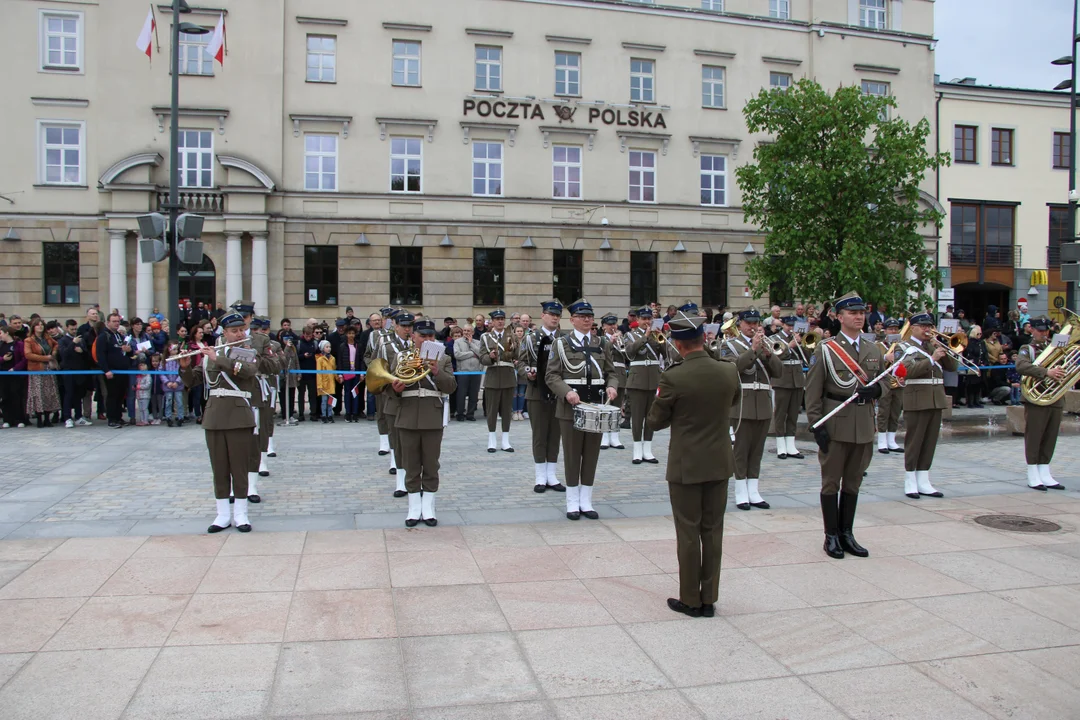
(1047, 391)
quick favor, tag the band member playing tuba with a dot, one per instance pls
(579, 370)
(613, 337)
(1041, 422)
(756, 364)
(789, 389)
(534, 352)
(500, 378)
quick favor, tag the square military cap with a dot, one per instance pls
(1041, 323)
(387, 312)
(233, 319)
(552, 307)
(245, 307)
(892, 323)
(851, 301)
(922, 319)
(644, 312)
(497, 313)
(750, 315)
(403, 317)
(686, 327)
(424, 327)
(689, 307)
(581, 307)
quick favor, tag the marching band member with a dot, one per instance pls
(500, 377)
(419, 422)
(756, 365)
(610, 324)
(889, 407)
(925, 361)
(269, 362)
(578, 370)
(392, 346)
(260, 397)
(534, 352)
(789, 389)
(643, 349)
(375, 340)
(229, 383)
(846, 440)
(1041, 423)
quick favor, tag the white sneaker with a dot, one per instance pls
(21, 425)
(83, 422)
(5, 426)
(69, 423)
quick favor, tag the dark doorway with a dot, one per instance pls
(975, 298)
(198, 283)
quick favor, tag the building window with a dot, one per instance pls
(407, 63)
(1001, 146)
(642, 81)
(714, 180)
(196, 152)
(964, 235)
(488, 280)
(321, 58)
(642, 176)
(1062, 150)
(62, 154)
(982, 235)
(61, 42)
(488, 68)
(717, 5)
(998, 241)
(642, 278)
(406, 276)
(320, 162)
(320, 274)
(714, 280)
(406, 164)
(871, 88)
(566, 275)
(195, 59)
(712, 86)
(568, 74)
(964, 146)
(566, 172)
(780, 9)
(872, 14)
(779, 81)
(1059, 231)
(487, 169)
(60, 268)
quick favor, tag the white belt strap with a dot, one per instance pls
(501, 363)
(222, 392)
(643, 363)
(756, 386)
(422, 393)
(619, 365)
(925, 381)
(791, 362)
(583, 381)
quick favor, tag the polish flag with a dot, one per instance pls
(216, 46)
(331, 401)
(356, 390)
(143, 43)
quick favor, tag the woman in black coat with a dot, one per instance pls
(976, 353)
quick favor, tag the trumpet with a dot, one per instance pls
(776, 345)
(658, 336)
(810, 340)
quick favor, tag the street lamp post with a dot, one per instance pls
(1070, 291)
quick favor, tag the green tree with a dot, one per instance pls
(836, 194)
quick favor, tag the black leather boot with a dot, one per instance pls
(848, 502)
(830, 516)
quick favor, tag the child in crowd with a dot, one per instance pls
(172, 389)
(143, 390)
(324, 383)
(156, 396)
(1013, 378)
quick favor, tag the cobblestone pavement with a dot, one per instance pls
(156, 480)
(946, 619)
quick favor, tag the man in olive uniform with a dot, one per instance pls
(533, 353)
(498, 352)
(756, 365)
(789, 389)
(846, 440)
(1041, 422)
(269, 363)
(695, 399)
(890, 406)
(229, 380)
(610, 324)
(644, 351)
(579, 370)
(419, 422)
(397, 342)
(375, 340)
(925, 361)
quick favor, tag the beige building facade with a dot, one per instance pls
(446, 157)
(1006, 196)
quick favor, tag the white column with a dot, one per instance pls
(260, 291)
(234, 272)
(118, 282)
(144, 288)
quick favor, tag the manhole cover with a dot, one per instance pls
(1017, 523)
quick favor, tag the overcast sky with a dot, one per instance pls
(1003, 42)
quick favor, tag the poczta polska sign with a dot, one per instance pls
(511, 110)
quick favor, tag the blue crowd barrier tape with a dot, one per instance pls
(166, 372)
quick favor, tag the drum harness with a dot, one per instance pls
(588, 381)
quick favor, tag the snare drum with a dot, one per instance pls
(592, 418)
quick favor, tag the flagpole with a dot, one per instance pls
(157, 38)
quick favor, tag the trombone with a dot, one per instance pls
(954, 346)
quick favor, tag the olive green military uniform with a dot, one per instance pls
(500, 378)
(695, 400)
(262, 398)
(586, 370)
(372, 351)
(545, 426)
(621, 363)
(229, 421)
(788, 389)
(1041, 423)
(924, 400)
(419, 424)
(756, 410)
(644, 355)
(389, 350)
